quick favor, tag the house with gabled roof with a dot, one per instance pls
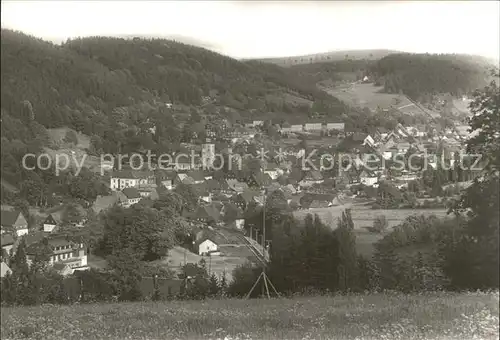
(198, 176)
(133, 196)
(207, 214)
(51, 222)
(213, 185)
(368, 177)
(165, 178)
(243, 199)
(102, 203)
(148, 191)
(182, 178)
(313, 125)
(60, 250)
(273, 170)
(4, 269)
(259, 180)
(13, 221)
(236, 186)
(130, 178)
(335, 126)
(311, 177)
(7, 241)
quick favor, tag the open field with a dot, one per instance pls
(363, 216)
(375, 316)
(368, 95)
(57, 136)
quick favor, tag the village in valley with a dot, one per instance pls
(266, 156)
(228, 170)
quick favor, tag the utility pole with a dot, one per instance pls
(263, 275)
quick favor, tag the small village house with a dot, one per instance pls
(7, 241)
(313, 126)
(51, 222)
(103, 203)
(14, 221)
(148, 191)
(335, 126)
(368, 178)
(297, 128)
(206, 247)
(4, 269)
(311, 177)
(197, 176)
(133, 196)
(130, 178)
(60, 251)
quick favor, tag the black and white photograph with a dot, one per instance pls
(250, 170)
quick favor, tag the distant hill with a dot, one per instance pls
(420, 75)
(329, 57)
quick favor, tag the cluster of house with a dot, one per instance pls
(65, 255)
(312, 125)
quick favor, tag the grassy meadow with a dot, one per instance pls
(352, 317)
(363, 216)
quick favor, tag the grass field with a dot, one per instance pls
(363, 216)
(368, 95)
(363, 317)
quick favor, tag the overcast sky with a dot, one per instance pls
(268, 29)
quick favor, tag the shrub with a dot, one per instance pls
(380, 224)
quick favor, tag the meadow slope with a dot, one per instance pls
(373, 316)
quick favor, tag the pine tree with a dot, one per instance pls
(213, 287)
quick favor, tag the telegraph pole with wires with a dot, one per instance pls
(263, 276)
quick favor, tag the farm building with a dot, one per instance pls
(14, 221)
(206, 247)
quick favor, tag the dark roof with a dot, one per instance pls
(249, 195)
(213, 184)
(9, 217)
(7, 239)
(207, 212)
(132, 174)
(131, 193)
(165, 175)
(359, 136)
(197, 175)
(314, 175)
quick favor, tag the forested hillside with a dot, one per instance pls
(418, 75)
(115, 89)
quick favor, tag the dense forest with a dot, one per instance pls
(418, 75)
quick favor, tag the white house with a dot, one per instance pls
(335, 126)
(65, 252)
(207, 246)
(369, 141)
(368, 178)
(4, 269)
(50, 223)
(296, 128)
(313, 126)
(129, 179)
(14, 221)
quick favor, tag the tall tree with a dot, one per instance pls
(481, 199)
